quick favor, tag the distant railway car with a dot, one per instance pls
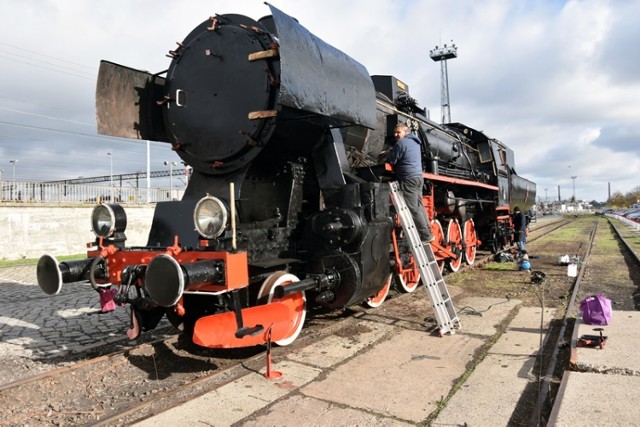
(288, 204)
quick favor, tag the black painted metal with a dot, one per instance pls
(172, 219)
(319, 78)
(213, 87)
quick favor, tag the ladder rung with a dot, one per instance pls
(427, 264)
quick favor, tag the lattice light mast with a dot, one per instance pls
(442, 54)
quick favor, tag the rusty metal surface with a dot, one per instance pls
(126, 103)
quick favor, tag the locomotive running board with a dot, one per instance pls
(428, 266)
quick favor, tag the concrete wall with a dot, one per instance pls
(30, 231)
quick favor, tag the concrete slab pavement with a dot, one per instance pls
(236, 400)
(605, 389)
(386, 375)
(390, 373)
(590, 399)
(620, 354)
(405, 377)
(310, 411)
(492, 391)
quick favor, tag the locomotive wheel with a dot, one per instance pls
(377, 299)
(438, 237)
(454, 237)
(408, 276)
(298, 299)
(470, 241)
(409, 279)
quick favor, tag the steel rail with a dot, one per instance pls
(574, 335)
(544, 388)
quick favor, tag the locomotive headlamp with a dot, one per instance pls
(108, 219)
(210, 217)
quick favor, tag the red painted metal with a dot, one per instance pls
(218, 330)
(458, 181)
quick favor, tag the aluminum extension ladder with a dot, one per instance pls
(428, 266)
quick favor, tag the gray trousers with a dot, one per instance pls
(412, 193)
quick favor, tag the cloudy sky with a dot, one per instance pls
(557, 81)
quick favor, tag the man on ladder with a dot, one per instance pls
(406, 159)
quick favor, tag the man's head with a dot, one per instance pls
(516, 210)
(400, 131)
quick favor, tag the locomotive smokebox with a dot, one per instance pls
(232, 83)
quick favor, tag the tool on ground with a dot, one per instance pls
(430, 274)
(593, 340)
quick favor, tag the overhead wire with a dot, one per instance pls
(86, 77)
(46, 117)
(40, 54)
(37, 61)
(50, 168)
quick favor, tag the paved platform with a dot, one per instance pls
(492, 392)
(605, 389)
(389, 375)
(33, 324)
(394, 376)
(37, 329)
(392, 372)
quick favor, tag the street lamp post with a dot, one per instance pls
(111, 174)
(442, 54)
(171, 165)
(13, 162)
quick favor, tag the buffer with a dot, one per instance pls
(428, 266)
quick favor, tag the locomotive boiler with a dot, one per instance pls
(288, 203)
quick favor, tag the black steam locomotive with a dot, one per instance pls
(288, 203)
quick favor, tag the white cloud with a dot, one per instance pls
(555, 80)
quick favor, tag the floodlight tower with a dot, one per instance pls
(441, 55)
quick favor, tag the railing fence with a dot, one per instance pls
(42, 192)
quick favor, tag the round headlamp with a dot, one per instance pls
(210, 217)
(107, 219)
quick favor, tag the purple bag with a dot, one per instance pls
(596, 310)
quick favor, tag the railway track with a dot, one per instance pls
(592, 277)
(595, 242)
(608, 247)
(129, 385)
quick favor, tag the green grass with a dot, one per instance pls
(501, 266)
(34, 261)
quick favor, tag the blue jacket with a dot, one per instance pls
(406, 158)
(519, 222)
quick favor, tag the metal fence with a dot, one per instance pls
(633, 223)
(42, 192)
